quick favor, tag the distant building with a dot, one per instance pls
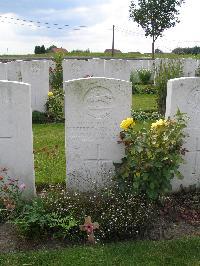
(59, 50)
(134, 53)
(110, 51)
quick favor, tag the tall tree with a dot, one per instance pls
(154, 16)
(42, 49)
(37, 50)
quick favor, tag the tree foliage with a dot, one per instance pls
(154, 16)
(40, 49)
(187, 50)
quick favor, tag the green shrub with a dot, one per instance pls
(36, 220)
(144, 76)
(152, 156)
(55, 102)
(145, 89)
(55, 106)
(56, 74)
(39, 117)
(141, 77)
(164, 72)
(141, 115)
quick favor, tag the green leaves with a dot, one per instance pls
(152, 158)
(164, 72)
(154, 16)
(55, 103)
(36, 219)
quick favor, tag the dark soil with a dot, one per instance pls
(10, 241)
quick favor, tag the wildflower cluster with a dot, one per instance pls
(152, 156)
(10, 193)
(120, 215)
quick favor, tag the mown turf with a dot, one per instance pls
(49, 153)
(175, 252)
(144, 102)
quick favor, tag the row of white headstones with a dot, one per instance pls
(36, 72)
(94, 108)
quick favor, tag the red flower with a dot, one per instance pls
(1, 178)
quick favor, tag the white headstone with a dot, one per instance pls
(136, 65)
(118, 69)
(184, 93)
(16, 144)
(189, 67)
(14, 71)
(36, 73)
(94, 109)
(3, 71)
(76, 69)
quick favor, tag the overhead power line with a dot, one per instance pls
(130, 32)
(39, 24)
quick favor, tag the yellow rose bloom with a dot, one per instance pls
(125, 124)
(159, 123)
(50, 93)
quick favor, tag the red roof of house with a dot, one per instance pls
(110, 51)
(56, 50)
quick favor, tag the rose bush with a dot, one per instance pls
(153, 156)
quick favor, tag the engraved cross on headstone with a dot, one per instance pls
(98, 160)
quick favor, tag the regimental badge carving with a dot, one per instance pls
(35, 69)
(99, 102)
(193, 99)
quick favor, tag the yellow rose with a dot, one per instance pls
(159, 123)
(50, 93)
(125, 124)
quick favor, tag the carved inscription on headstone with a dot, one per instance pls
(98, 102)
(94, 108)
(193, 100)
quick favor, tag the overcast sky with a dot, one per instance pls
(97, 15)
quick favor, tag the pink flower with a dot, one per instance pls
(89, 228)
(1, 178)
(22, 186)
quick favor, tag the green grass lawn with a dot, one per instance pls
(134, 55)
(49, 153)
(49, 143)
(175, 252)
(144, 102)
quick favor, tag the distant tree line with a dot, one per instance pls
(193, 50)
(42, 50)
